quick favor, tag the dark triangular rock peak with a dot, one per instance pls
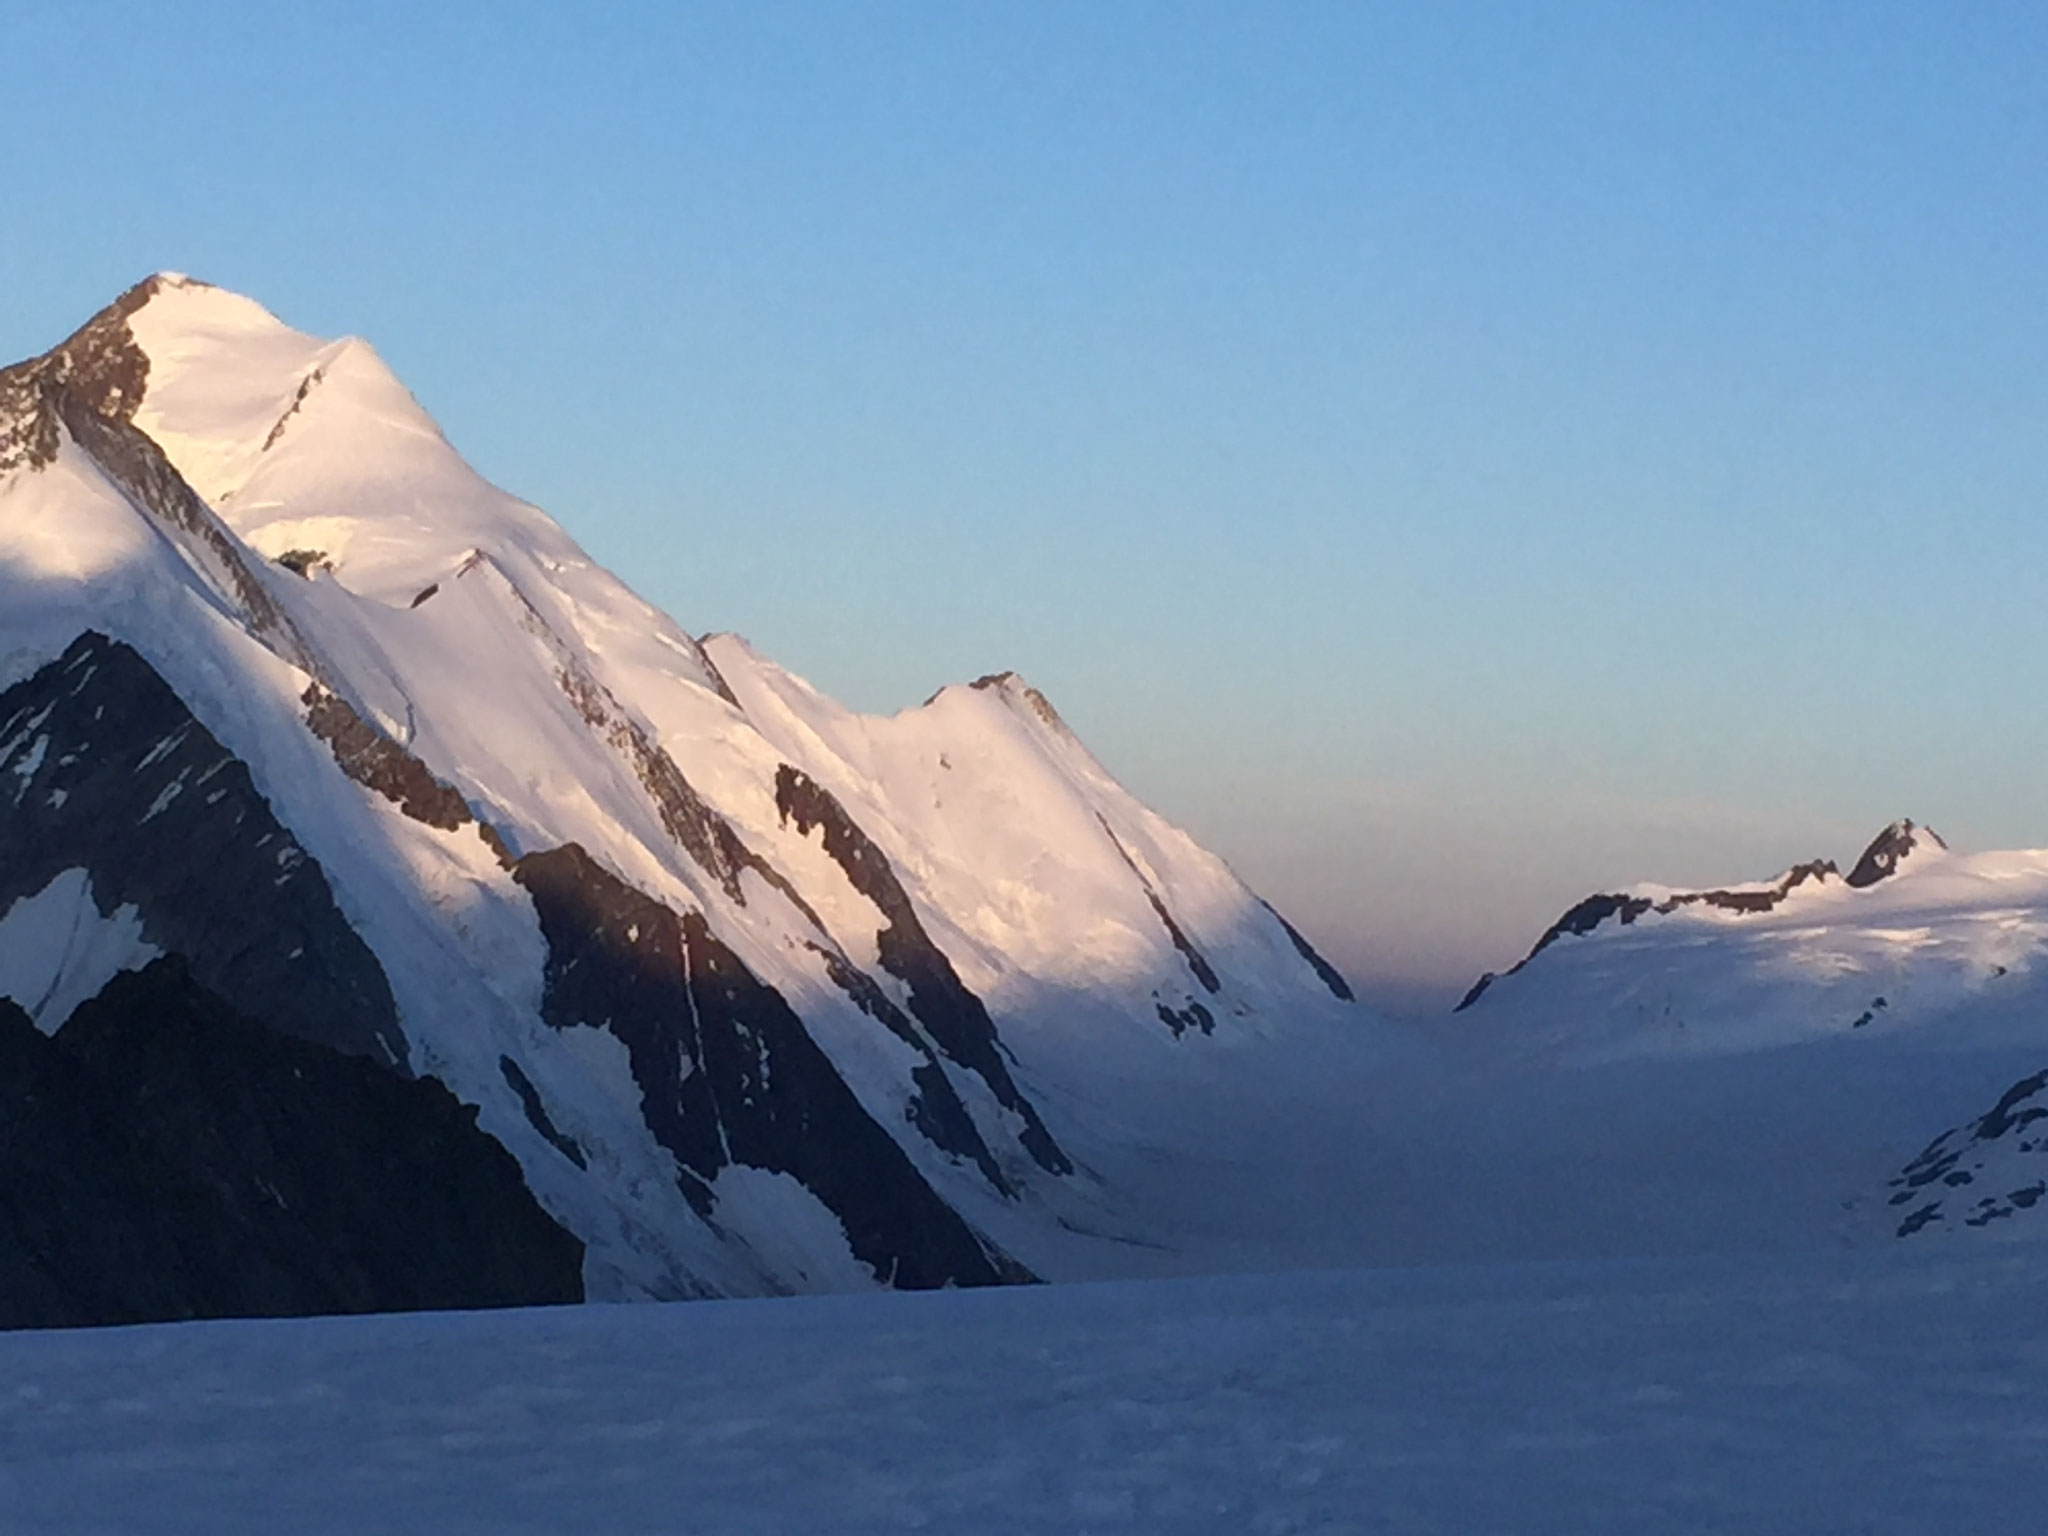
(164, 1157)
(112, 774)
(1889, 849)
(100, 361)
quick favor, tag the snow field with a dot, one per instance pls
(1877, 1391)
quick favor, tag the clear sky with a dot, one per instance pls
(1450, 457)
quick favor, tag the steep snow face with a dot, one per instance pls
(1934, 934)
(1043, 872)
(1005, 830)
(313, 449)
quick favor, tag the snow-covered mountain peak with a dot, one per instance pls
(229, 386)
(295, 441)
(762, 992)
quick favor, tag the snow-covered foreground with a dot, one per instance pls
(1883, 1389)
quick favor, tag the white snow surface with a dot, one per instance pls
(57, 948)
(1878, 1391)
(1948, 941)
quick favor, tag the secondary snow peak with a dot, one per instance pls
(1890, 850)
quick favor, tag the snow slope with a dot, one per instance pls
(1767, 1060)
(1898, 1390)
(1932, 937)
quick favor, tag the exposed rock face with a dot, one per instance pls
(89, 388)
(697, 828)
(162, 1157)
(306, 387)
(1981, 1173)
(727, 1073)
(537, 1114)
(1204, 972)
(1012, 685)
(135, 463)
(956, 1019)
(1888, 850)
(1326, 973)
(935, 1109)
(99, 366)
(1181, 1020)
(378, 763)
(103, 768)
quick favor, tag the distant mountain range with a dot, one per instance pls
(1936, 954)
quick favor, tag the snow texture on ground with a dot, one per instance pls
(1873, 1391)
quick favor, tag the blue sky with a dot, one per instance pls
(1449, 457)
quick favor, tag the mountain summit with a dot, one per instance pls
(359, 756)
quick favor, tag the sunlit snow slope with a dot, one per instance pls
(1835, 1022)
(762, 994)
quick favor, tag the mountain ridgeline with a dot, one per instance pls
(396, 911)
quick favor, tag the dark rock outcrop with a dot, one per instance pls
(1198, 963)
(537, 1112)
(1987, 1171)
(99, 364)
(89, 387)
(1884, 855)
(1888, 850)
(306, 387)
(728, 1074)
(380, 764)
(1181, 1020)
(163, 1157)
(687, 817)
(935, 1108)
(106, 770)
(956, 1019)
(1327, 973)
(1011, 685)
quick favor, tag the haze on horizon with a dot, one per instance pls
(1450, 462)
